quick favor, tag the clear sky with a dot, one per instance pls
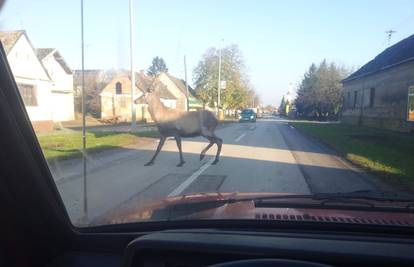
(279, 39)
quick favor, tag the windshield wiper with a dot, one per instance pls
(358, 200)
(369, 195)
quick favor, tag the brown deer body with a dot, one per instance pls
(178, 124)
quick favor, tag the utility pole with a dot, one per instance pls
(85, 182)
(131, 46)
(389, 35)
(186, 83)
(253, 101)
(219, 79)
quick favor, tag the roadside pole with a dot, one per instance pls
(219, 82)
(186, 83)
(85, 181)
(131, 44)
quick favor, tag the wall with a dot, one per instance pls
(28, 70)
(63, 108)
(113, 104)
(42, 111)
(390, 102)
(62, 90)
(62, 81)
(24, 63)
(116, 106)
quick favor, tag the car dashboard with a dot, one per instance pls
(211, 247)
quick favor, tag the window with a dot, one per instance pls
(348, 100)
(410, 110)
(118, 88)
(355, 98)
(371, 97)
(28, 93)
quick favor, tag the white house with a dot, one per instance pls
(33, 81)
(62, 88)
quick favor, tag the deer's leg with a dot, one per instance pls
(219, 143)
(213, 138)
(178, 140)
(203, 152)
(160, 144)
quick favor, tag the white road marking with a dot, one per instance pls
(239, 138)
(177, 191)
(291, 127)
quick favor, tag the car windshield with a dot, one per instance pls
(140, 107)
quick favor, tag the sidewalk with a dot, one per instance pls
(120, 127)
(65, 170)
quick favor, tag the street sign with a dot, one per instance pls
(223, 84)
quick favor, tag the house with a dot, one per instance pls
(381, 93)
(62, 103)
(178, 89)
(34, 83)
(116, 97)
(95, 80)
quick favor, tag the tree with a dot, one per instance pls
(158, 65)
(282, 106)
(236, 95)
(320, 92)
(305, 99)
(95, 81)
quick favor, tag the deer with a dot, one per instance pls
(180, 124)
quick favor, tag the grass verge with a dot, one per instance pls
(388, 154)
(68, 145)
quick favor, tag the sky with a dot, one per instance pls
(279, 39)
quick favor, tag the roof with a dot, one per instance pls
(41, 53)
(143, 82)
(62, 62)
(9, 38)
(181, 85)
(399, 53)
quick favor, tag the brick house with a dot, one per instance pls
(381, 93)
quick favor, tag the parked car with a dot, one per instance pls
(247, 115)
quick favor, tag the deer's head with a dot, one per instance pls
(148, 92)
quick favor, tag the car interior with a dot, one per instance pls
(36, 230)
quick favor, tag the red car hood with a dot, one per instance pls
(181, 208)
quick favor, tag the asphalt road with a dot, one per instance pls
(266, 156)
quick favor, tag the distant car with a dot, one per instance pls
(247, 115)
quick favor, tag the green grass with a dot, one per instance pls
(389, 154)
(68, 145)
